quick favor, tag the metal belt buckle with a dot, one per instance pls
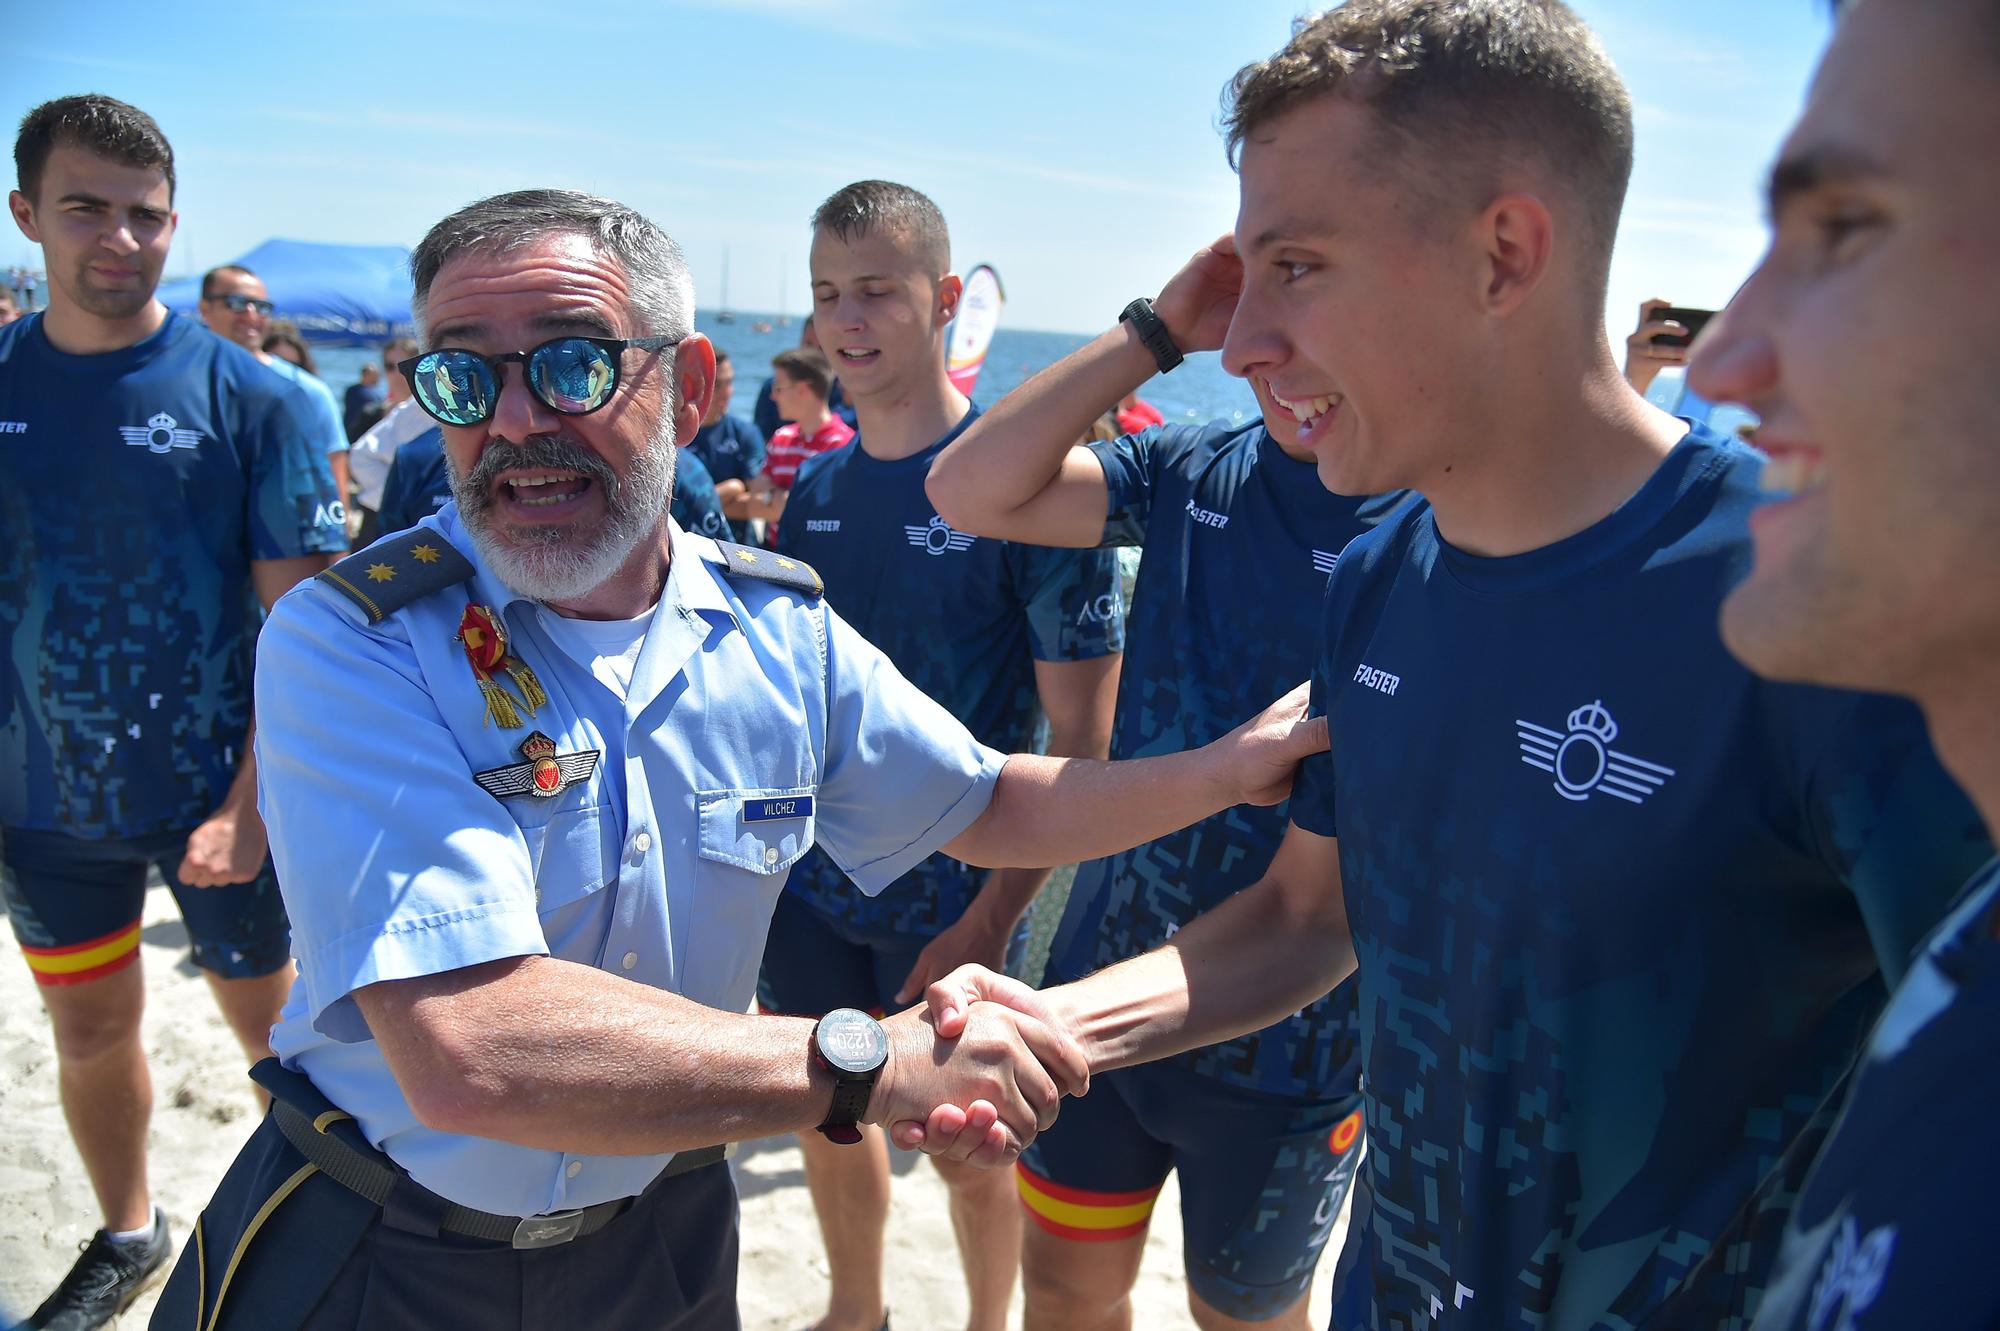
(546, 1231)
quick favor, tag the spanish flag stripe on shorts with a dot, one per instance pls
(1073, 1213)
(83, 961)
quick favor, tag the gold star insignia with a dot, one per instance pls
(424, 554)
(746, 556)
(786, 563)
(380, 572)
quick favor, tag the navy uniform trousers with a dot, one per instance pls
(283, 1246)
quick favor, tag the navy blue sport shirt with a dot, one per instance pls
(1237, 542)
(1622, 909)
(1895, 1226)
(136, 488)
(963, 618)
(733, 450)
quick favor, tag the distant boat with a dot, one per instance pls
(760, 325)
(722, 311)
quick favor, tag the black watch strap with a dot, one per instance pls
(850, 1103)
(852, 1046)
(1153, 332)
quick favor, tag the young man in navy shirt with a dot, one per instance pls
(155, 477)
(987, 628)
(1621, 911)
(1875, 568)
(731, 448)
(1236, 533)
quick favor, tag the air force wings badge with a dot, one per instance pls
(545, 774)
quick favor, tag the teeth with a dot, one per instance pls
(1311, 410)
(855, 355)
(1792, 474)
(524, 482)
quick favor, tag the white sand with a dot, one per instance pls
(203, 1111)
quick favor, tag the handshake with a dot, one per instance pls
(977, 1069)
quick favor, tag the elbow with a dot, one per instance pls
(942, 488)
(447, 1083)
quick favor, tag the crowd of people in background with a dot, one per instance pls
(1607, 932)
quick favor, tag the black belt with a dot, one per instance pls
(369, 1173)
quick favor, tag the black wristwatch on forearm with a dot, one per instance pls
(852, 1046)
(1152, 330)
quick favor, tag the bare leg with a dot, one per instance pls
(986, 1215)
(1072, 1286)
(251, 1008)
(107, 1094)
(850, 1193)
(1295, 1318)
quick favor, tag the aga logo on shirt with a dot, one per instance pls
(160, 434)
(936, 537)
(1583, 761)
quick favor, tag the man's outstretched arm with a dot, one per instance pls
(1264, 953)
(1050, 811)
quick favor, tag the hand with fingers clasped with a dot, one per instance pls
(953, 1006)
(996, 1080)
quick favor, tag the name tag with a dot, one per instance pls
(771, 811)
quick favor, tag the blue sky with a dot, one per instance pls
(1072, 146)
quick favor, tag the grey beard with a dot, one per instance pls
(555, 563)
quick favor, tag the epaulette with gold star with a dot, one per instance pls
(391, 573)
(749, 562)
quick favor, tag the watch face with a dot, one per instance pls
(852, 1041)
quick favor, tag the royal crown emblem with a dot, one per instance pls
(1583, 761)
(160, 434)
(937, 536)
(545, 774)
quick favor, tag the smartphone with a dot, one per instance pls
(1692, 320)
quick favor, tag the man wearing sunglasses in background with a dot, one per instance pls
(535, 772)
(235, 304)
(152, 478)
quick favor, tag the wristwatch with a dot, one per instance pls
(853, 1047)
(1153, 332)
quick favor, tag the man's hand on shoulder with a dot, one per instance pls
(1255, 763)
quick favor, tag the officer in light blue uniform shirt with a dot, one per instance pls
(535, 771)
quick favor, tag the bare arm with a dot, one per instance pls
(558, 1056)
(1050, 811)
(1078, 697)
(734, 496)
(1017, 473)
(230, 844)
(1266, 952)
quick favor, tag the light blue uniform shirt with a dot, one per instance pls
(663, 867)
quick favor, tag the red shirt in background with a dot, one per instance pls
(1138, 416)
(786, 450)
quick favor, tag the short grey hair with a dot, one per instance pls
(662, 291)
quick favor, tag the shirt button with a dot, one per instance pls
(575, 1168)
(642, 843)
(629, 960)
(770, 854)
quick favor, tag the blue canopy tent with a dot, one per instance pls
(338, 294)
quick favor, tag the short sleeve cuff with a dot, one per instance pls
(877, 874)
(406, 949)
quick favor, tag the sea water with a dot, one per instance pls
(1197, 391)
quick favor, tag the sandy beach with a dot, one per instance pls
(203, 1111)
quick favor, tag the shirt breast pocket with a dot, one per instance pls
(761, 830)
(567, 854)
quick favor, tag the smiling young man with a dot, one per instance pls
(235, 304)
(152, 479)
(1236, 534)
(1621, 911)
(987, 628)
(1876, 568)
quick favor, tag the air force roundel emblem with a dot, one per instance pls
(1583, 762)
(545, 774)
